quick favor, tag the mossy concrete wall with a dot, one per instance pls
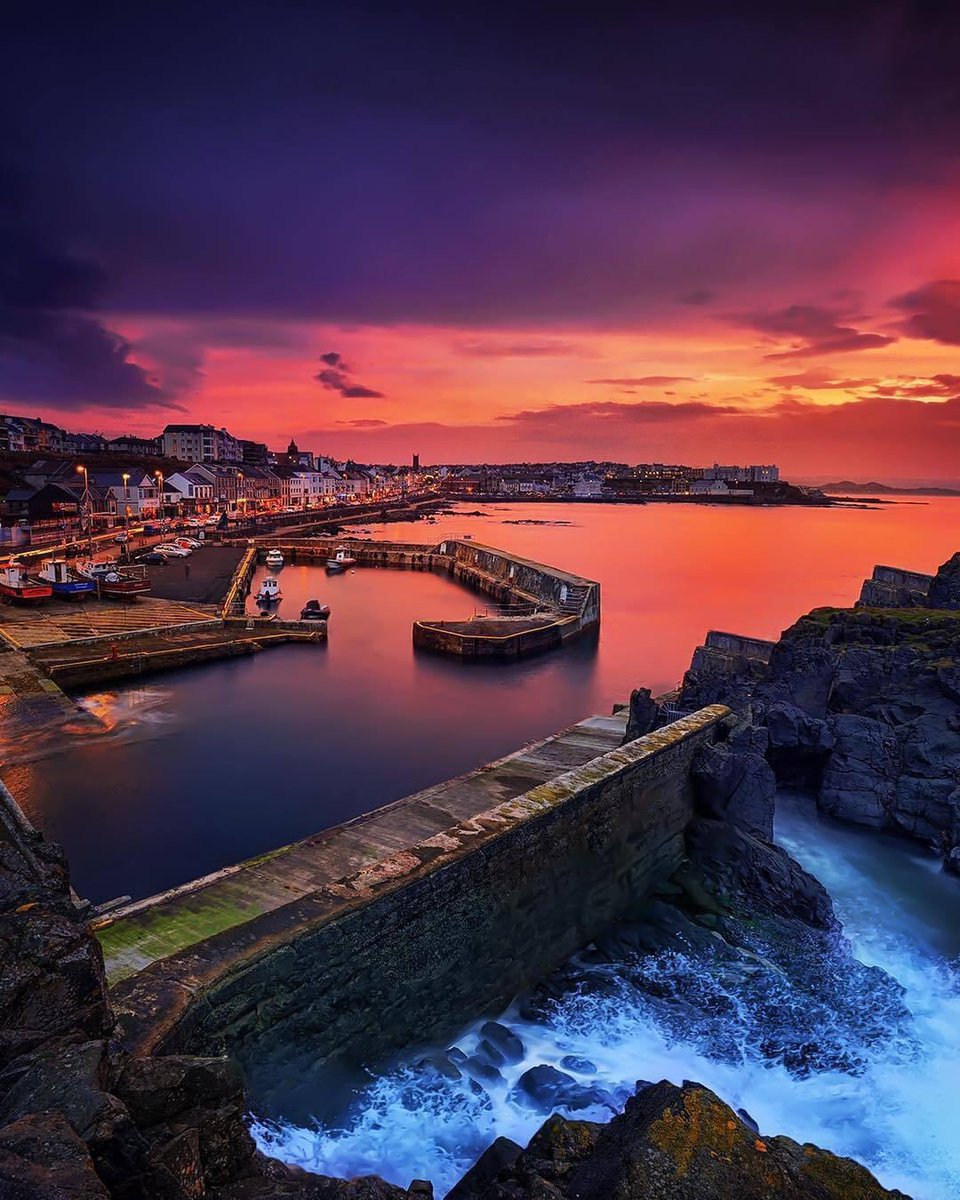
(458, 924)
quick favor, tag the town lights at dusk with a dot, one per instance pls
(479, 601)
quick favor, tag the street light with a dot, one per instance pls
(85, 514)
(158, 475)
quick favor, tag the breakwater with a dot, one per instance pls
(536, 607)
(385, 930)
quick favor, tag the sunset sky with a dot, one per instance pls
(491, 232)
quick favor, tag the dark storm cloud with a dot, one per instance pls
(52, 349)
(467, 163)
(336, 377)
(814, 331)
(934, 311)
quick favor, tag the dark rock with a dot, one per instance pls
(505, 1040)
(643, 714)
(571, 1062)
(674, 1143)
(497, 1157)
(41, 1158)
(945, 589)
(670, 1143)
(481, 1069)
(443, 1064)
(735, 786)
(547, 1088)
(156, 1089)
(51, 979)
(859, 781)
(756, 875)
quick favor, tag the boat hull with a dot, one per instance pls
(77, 589)
(28, 593)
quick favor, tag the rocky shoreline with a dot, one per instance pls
(862, 706)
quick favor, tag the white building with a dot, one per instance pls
(588, 488)
(189, 488)
(201, 443)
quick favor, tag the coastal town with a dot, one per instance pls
(52, 480)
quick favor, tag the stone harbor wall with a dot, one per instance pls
(891, 587)
(403, 968)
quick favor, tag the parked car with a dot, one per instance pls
(122, 537)
(154, 558)
(188, 543)
(173, 551)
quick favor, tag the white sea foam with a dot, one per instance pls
(895, 1114)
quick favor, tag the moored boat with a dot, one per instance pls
(341, 559)
(17, 587)
(274, 559)
(64, 583)
(115, 582)
(313, 610)
(269, 592)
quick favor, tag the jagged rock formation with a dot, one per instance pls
(862, 707)
(670, 1143)
(78, 1119)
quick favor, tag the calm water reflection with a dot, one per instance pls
(209, 766)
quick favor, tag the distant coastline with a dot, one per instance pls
(847, 487)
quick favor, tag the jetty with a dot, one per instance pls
(384, 930)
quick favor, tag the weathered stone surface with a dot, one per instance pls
(671, 1143)
(763, 875)
(643, 714)
(156, 1089)
(51, 979)
(41, 1158)
(862, 707)
(736, 786)
(945, 589)
(859, 782)
(499, 1156)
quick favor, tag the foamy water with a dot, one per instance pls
(891, 1108)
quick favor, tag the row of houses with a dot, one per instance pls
(186, 443)
(55, 489)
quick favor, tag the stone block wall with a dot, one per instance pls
(511, 898)
(891, 587)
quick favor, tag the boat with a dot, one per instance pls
(341, 559)
(274, 559)
(269, 592)
(65, 584)
(17, 587)
(114, 581)
(313, 610)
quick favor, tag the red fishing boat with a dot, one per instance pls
(17, 587)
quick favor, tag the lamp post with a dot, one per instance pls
(86, 516)
(126, 494)
(159, 478)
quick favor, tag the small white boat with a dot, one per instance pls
(269, 592)
(341, 559)
(274, 560)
